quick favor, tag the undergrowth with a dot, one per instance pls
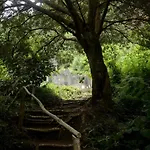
(67, 92)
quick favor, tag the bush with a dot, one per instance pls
(131, 94)
(132, 135)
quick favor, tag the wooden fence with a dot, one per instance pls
(75, 134)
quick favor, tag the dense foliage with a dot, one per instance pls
(36, 39)
(129, 69)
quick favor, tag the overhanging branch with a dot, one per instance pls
(29, 17)
(103, 16)
(76, 18)
(92, 12)
(80, 10)
(59, 19)
(56, 7)
(123, 21)
(123, 34)
(12, 6)
(47, 44)
(66, 38)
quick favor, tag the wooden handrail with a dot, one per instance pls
(60, 121)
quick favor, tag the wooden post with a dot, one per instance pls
(21, 114)
(37, 147)
(33, 92)
(21, 111)
(76, 143)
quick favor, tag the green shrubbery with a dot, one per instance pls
(129, 69)
(65, 92)
(47, 96)
(132, 135)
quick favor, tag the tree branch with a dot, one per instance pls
(48, 43)
(103, 16)
(12, 6)
(66, 38)
(24, 36)
(19, 25)
(56, 7)
(93, 4)
(80, 10)
(76, 18)
(123, 35)
(59, 19)
(125, 20)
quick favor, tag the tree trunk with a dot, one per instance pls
(101, 89)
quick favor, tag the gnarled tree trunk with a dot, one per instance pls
(101, 89)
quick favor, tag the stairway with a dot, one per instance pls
(45, 133)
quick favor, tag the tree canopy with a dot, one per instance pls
(109, 38)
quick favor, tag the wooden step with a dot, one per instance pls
(48, 118)
(46, 144)
(67, 106)
(46, 133)
(39, 112)
(40, 125)
(38, 117)
(37, 132)
(53, 145)
(47, 121)
(42, 117)
(44, 129)
(47, 124)
(70, 103)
